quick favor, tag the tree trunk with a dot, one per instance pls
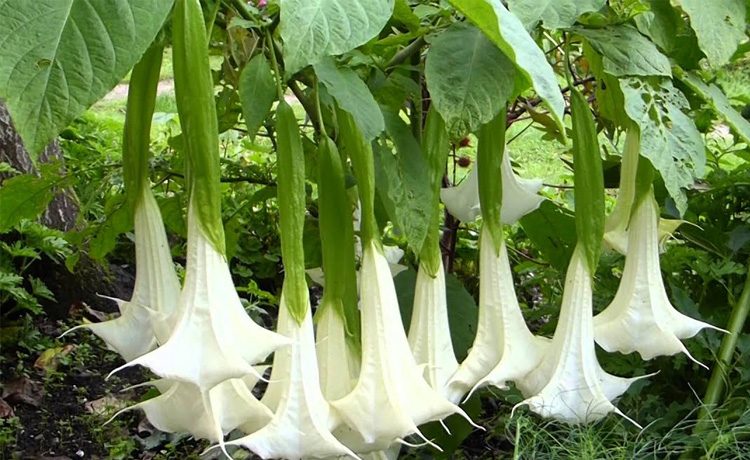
(62, 211)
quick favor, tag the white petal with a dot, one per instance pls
(519, 195)
(569, 384)
(317, 276)
(144, 319)
(429, 332)
(214, 339)
(504, 349)
(300, 427)
(641, 317)
(391, 398)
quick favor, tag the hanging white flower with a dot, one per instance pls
(569, 384)
(303, 420)
(337, 362)
(391, 398)
(519, 195)
(146, 315)
(504, 349)
(213, 339)
(429, 331)
(641, 317)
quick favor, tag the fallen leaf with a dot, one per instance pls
(50, 358)
(5, 410)
(23, 390)
(104, 406)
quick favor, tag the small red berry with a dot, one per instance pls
(464, 161)
(464, 142)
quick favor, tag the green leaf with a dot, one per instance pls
(669, 138)
(468, 77)
(666, 27)
(119, 221)
(402, 13)
(719, 25)
(589, 180)
(490, 150)
(462, 310)
(552, 230)
(27, 196)
(352, 95)
(312, 29)
(403, 183)
(554, 14)
(257, 93)
(625, 52)
(718, 100)
(57, 57)
(506, 31)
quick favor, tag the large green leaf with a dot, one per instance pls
(257, 93)
(312, 29)
(462, 310)
(552, 229)
(352, 95)
(719, 26)
(669, 138)
(665, 25)
(468, 77)
(589, 180)
(555, 14)
(626, 52)
(403, 182)
(57, 57)
(27, 196)
(505, 30)
(718, 100)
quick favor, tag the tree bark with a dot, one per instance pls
(62, 211)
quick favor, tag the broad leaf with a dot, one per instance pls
(352, 95)
(403, 183)
(57, 57)
(119, 221)
(257, 93)
(468, 77)
(552, 229)
(719, 26)
(589, 180)
(462, 310)
(312, 29)
(506, 31)
(27, 196)
(716, 98)
(626, 52)
(554, 14)
(669, 138)
(666, 27)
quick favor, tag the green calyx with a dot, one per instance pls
(292, 208)
(337, 236)
(588, 180)
(194, 91)
(137, 133)
(435, 147)
(360, 153)
(490, 151)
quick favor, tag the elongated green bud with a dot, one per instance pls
(337, 236)
(490, 151)
(194, 91)
(291, 196)
(589, 180)
(144, 81)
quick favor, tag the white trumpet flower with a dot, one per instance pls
(302, 422)
(429, 331)
(393, 254)
(569, 384)
(143, 320)
(519, 195)
(337, 362)
(182, 407)
(504, 349)
(391, 397)
(641, 317)
(213, 339)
